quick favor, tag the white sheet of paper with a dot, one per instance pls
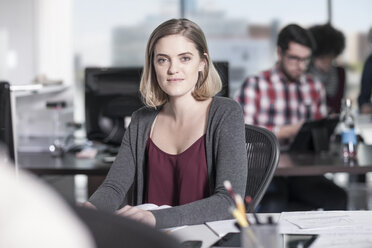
(222, 227)
(343, 241)
(326, 222)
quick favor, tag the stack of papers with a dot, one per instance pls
(335, 228)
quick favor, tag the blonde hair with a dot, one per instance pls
(209, 82)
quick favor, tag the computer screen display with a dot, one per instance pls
(6, 127)
(111, 94)
(222, 68)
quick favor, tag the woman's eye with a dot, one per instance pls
(161, 60)
(184, 59)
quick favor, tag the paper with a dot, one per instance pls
(222, 227)
(151, 206)
(326, 222)
(343, 241)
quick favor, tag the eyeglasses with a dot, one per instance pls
(292, 59)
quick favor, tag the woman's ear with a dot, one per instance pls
(203, 62)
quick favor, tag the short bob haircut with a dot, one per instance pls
(328, 40)
(297, 34)
(209, 82)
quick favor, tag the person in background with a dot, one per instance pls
(364, 99)
(181, 147)
(329, 44)
(281, 99)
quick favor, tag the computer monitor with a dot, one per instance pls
(111, 94)
(6, 126)
(222, 68)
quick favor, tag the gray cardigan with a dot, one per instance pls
(226, 160)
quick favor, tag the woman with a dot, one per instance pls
(179, 149)
(330, 43)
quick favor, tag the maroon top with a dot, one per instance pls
(334, 102)
(176, 179)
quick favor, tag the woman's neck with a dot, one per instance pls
(183, 109)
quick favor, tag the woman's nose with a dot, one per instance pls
(173, 68)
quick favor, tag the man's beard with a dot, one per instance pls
(286, 74)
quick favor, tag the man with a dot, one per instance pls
(282, 99)
(364, 98)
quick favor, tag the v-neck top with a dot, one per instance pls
(176, 179)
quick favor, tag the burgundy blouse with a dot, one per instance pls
(176, 179)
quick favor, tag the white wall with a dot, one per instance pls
(17, 21)
(53, 36)
(38, 34)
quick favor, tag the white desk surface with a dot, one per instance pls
(204, 233)
(335, 228)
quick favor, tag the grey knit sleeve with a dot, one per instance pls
(111, 194)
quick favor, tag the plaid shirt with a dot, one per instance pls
(271, 101)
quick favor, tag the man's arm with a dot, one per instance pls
(288, 131)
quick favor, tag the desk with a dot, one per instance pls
(296, 164)
(204, 233)
(44, 164)
(310, 164)
(354, 228)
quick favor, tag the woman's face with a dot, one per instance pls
(177, 63)
(324, 63)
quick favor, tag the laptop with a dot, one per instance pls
(314, 135)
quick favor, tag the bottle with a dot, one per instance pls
(56, 147)
(348, 135)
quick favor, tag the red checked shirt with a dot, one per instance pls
(271, 101)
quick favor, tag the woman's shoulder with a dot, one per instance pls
(145, 113)
(220, 102)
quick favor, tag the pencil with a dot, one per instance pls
(248, 200)
(240, 218)
(229, 188)
(240, 204)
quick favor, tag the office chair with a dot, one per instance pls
(263, 157)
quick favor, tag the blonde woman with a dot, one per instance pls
(179, 149)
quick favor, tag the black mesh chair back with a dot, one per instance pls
(263, 157)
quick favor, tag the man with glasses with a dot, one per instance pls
(282, 99)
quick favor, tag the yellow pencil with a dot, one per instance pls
(240, 204)
(240, 218)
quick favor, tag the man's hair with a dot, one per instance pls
(297, 34)
(328, 40)
(209, 82)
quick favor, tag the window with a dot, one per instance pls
(242, 32)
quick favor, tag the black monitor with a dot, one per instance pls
(6, 127)
(222, 68)
(111, 94)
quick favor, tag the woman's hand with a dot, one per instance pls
(137, 214)
(87, 205)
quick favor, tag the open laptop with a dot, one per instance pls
(314, 135)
